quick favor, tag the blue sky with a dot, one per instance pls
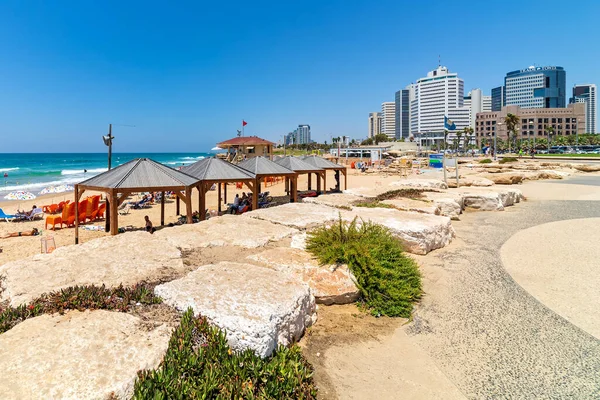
(187, 73)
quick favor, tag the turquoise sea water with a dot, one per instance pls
(33, 172)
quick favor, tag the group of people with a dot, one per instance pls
(239, 203)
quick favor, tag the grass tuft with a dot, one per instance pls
(505, 160)
(199, 364)
(485, 161)
(388, 280)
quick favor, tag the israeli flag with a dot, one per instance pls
(449, 124)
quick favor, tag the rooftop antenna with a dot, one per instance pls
(439, 60)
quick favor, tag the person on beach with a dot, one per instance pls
(149, 227)
(27, 213)
(34, 232)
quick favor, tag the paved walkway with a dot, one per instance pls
(485, 332)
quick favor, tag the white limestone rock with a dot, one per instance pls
(226, 230)
(334, 200)
(419, 184)
(127, 259)
(330, 284)
(450, 204)
(296, 215)
(368, 192)
(419, 233)
(78, 355)
(258, 307)
(421, 206)
(483, 200)
(299, 241)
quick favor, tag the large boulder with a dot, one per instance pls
(330, 284)
(226, 230)
(471, 181)
(586, 167)
(125, 259)
(78, 355)
(449, 204)
(552, 174)
(505, 178)
(295, 215)
(258, 307)
(430, 184)
(419, 233)
(342, 200)
(421, 206)
(483, 200)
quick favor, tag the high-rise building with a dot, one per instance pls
(303, 134)
(388, 111)
(498, 98)
(375, 124)
(587, 94)
(439, 94)
(536, 87)
(487, 104)
(402, 110)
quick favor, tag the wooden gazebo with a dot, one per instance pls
(245, 147)
(139, 175)
(262, 167)
(211, 171)
(299, 166)
(328, 166)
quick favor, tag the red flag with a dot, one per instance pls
(244, 123)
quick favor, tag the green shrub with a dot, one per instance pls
(78, 298)
(485, 161)
(388, 280)
(505, 160)
(410, 193)
(372, 204)
(199, 364)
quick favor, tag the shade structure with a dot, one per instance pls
(262, 167)
(138, 175)
(211, 171)
(300, 166)
(246, 146)
(329, 166)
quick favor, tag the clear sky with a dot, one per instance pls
(187, 73)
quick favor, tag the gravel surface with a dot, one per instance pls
(487, 334)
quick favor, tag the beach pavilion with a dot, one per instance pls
(262, 168)
(138, 175)
(328, 166)
(300, 166)
(244, 147)
(211, 171)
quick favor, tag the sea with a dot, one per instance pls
(33, 172)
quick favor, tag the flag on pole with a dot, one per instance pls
(449, 124)
(244, 123)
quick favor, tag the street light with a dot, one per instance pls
(495, 135)
(579, 121)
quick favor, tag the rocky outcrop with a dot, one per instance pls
(78, 355)
(368, 192)
(126, 259)
(586, 167)
(419, 233)
(226, 230)
(471, 181)
(483, 200)
(296, 215)
(343, 200)
(431, 184)
(299, 241)
(505, 178)
(259, 308)
(421, 206)
(330, 284)
(450, 204)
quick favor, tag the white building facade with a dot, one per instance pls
(388, 112)
(375, 124)
(587, 94)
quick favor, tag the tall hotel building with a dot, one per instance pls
(375, 124)
(402, 109)
(439, 94)
(388, 111)
(587, 94)
(536, 87)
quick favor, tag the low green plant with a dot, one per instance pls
(372, 204)
(78, 298)
(505, 160)
(199, 364)
(388, 280)
(485, 161)
(410, 193)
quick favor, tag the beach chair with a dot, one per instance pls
(124, 209)
(7, 217)
(99, 213)
(36, 213)
(69, 220)
(83, 211)
(92, 207)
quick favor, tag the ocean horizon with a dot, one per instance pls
(33, 172)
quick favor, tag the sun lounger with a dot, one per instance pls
(124, 209)
(7, 217)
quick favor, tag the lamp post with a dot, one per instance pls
(579, 122)
(495, 136)
(108, 142)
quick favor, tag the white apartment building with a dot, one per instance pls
(439, 94)
(487, 105)
(587, 94)
(375, 124)
(388, 112)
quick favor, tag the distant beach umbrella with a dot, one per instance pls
(19, 195)
(217, 148)
(57, 189)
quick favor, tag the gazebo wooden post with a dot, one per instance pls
(177, 205)
(345, 172)
(255, 195)
(219, 199)
(287, 185)
(337, 180)
(294, 194)
(76, 214)
(318, 183)
(202, 201)
(225, 193)
(200, 194)
(324, 181)
(162, 209)
(310, 180)
(188, 204)
(114, 222)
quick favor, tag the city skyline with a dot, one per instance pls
(187, 76)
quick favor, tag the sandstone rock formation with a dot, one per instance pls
(226, 230)
(450, 204)
(422, 206)
(78, 355)
(330, 284)
(334, 199)
(258, 307)
(128, 258)
(471, 181)
(433, 184)
(505, 178)
(586, 167)
(483, 200)
(296, 215)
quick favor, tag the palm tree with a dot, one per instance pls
(549, 131)
(458, 137)
(511, 121)
(468, 131)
